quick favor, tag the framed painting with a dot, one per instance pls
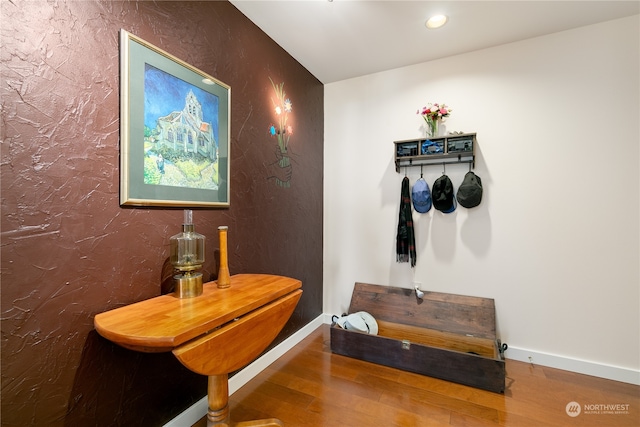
(174, 130)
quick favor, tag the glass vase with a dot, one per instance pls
(432, 128)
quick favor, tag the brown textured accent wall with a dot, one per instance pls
(69, 251)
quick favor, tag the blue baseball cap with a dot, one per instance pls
(421, 196)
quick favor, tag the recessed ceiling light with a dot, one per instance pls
(436, 21)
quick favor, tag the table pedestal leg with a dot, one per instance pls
(218, 399)
(218, 402)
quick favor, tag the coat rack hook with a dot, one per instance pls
(444, 168)
(421, 171)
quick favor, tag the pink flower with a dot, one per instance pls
(435, 111)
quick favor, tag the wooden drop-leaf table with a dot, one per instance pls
(213, 334)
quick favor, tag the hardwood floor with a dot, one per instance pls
(310, 386)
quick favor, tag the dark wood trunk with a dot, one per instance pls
(446, 336)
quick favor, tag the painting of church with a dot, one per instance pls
(186, 131)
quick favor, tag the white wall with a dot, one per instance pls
(555, 240)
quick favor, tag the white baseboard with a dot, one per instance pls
(247, 374)
(199, 409)
(600, 370)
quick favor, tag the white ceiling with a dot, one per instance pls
(341, 39)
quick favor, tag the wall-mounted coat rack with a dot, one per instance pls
(458, 148)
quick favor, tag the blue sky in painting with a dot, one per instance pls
(164, 93)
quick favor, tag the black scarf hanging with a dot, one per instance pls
(405, 240)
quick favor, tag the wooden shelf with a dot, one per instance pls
(435, 151)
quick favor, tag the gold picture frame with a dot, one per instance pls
(174, 130)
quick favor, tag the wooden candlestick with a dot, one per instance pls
(224, 279)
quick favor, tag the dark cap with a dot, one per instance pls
(470, 191)
(443, 195)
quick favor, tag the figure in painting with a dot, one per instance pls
(160, 163)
